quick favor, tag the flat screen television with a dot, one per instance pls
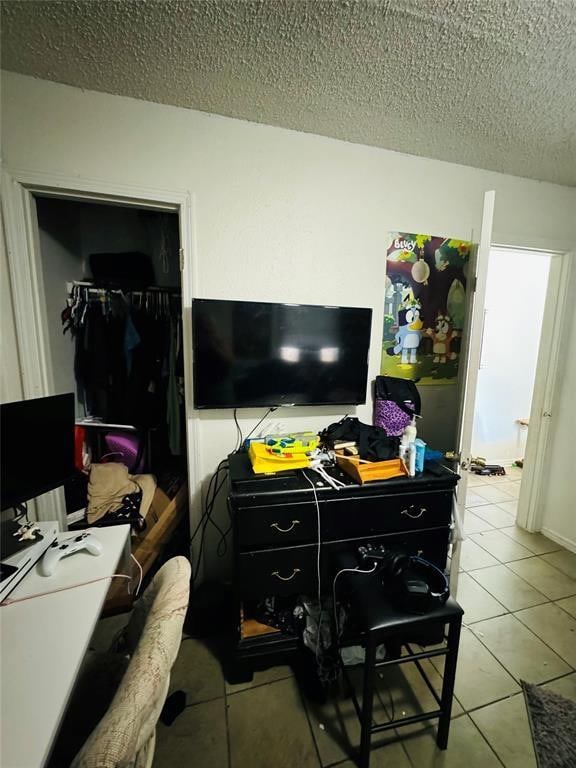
(37, 444)
(251, 354)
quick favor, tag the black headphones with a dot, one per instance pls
(413, 584)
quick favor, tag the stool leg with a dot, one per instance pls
(448, 683)
(367, 702)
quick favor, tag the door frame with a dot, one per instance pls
(530, 503)
(26, 286)
(468, 374)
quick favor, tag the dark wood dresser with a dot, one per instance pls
(278, 531)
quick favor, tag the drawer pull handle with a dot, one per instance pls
(285, 530)
(286, 578)
(413, 516)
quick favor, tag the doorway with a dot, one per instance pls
(112, 302)
(33, 376)
(514, 308)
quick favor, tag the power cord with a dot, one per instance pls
(140, 576)
(214, 487)
(268, 412)
(325, 668)
(239, 439)
(22, 509)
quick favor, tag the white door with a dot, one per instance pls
(469, 374)
(537, 458)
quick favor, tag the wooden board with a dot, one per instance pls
(161, 521)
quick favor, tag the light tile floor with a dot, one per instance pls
(519, 594)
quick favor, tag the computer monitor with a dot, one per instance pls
(37, 447)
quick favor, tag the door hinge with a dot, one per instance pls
(181, 254)
(474, 284)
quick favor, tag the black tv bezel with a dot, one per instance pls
(10, 502)
(197, 301)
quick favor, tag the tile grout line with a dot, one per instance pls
(203, 701)
(258, 685)
(502, 562)
(513, 695)
(536, 533)
(546, 599)
(511, 613)
(490, 747)
(561, 573)
(543, 641)
(309, 721)
(562, 607)
(517, 680)
(228, 740)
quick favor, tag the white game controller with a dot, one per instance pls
(59, 549)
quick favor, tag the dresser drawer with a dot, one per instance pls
(293, 570)
(373, 515)
(276, 525)
(432, 545)
(287, 571)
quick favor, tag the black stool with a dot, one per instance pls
(380, 622)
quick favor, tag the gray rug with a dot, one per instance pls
(553, 724)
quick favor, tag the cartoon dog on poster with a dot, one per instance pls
(409, 334)
(442, 335)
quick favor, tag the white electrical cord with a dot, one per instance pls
(333, 481)
(319, 623)
(318, 573)
(141, 574)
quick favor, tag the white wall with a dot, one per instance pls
(279, 215)
(61, 258)
(10, 379)
(515, 297)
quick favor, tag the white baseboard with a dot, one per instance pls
(558, 539)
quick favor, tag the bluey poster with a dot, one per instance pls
(424, 307)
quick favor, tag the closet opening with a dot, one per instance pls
(111, 282)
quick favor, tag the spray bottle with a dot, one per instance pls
(407, 447)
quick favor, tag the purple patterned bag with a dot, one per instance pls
(395, 402)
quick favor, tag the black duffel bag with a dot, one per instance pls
(372, 442)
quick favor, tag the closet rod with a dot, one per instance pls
(95, 287)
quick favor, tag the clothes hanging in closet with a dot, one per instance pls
(128, 363)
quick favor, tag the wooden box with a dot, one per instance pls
(365, 471)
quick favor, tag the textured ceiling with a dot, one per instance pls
(487, 83)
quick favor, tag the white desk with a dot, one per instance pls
(43, 642)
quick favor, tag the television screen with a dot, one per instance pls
(37, 443)
(250, 354)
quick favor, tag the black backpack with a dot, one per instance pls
(372, 442)
(396, 401)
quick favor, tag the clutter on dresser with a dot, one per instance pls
(365, 471)
(350, 449)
